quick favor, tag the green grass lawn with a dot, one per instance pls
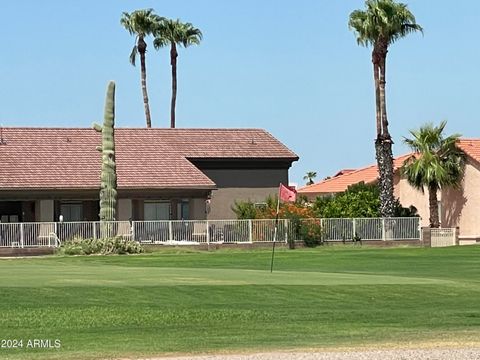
(180, 301)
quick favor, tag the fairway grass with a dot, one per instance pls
(117, 276)
(184, 301)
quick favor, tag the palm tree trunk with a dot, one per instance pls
(433, 204)
(383, 98)
(383, 149)
(142, 48)
(386, 168)
(173, 62)
(376, 79)
(383, 142)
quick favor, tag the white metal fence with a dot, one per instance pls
(371, 229)
(443, 237)
(206, 231)
(52, 234)
(28, 235)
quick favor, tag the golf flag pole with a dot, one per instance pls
(286, 194)
(276, 228)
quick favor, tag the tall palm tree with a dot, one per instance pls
(381, 24)
(437, 163)
(173, 33)
(309, 177)
(141, 23)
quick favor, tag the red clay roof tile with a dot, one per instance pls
(341, 181)
(62, 158)
(471, 147)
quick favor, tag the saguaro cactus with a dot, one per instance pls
(108, 187)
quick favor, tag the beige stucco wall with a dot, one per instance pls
(462, 206)
(223, 200)
(124, 209)
(458, 207)
(242, 184)
(197, 209)
(44, 210)
(409, 196)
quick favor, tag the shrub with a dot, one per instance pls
(358, 201)
(105, 246)
(311, 233)
(247, 210)
(244, 210)
(293, 211)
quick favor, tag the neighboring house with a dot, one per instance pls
(458, 207)
(344, 178)
(162, 173)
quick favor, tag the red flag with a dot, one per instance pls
(287, 194)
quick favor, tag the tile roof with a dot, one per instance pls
(471, 147)
(66, 158)
(343, 172)
(342, 182)
(344, 178)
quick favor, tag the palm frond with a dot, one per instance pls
(133, 55)
(160, 42)
(140, 22)
(174, 31)
(438, 161)
(382, 20)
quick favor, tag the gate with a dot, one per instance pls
(443, 237)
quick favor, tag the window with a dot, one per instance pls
(9, 218)
(71, 211)
(183, 210)
(156, 210)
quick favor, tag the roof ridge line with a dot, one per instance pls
(134, 128)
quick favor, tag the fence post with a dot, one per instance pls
(250, 234)
(21, 235)
(426, 237)
(354, 224)
(170, 230)
(383, 230)
(285, 228)
(208, 233)
(133, 231)
(94, 230)
(419, 228)
(322, 226)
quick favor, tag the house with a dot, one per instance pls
(162, 173)
(457, 207)
(344, 178)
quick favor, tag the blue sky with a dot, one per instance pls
(292, 68)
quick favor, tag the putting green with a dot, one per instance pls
(111, 275)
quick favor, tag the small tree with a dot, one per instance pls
(244, 210)
(309, 177)
(358, 201)
(437, 163)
